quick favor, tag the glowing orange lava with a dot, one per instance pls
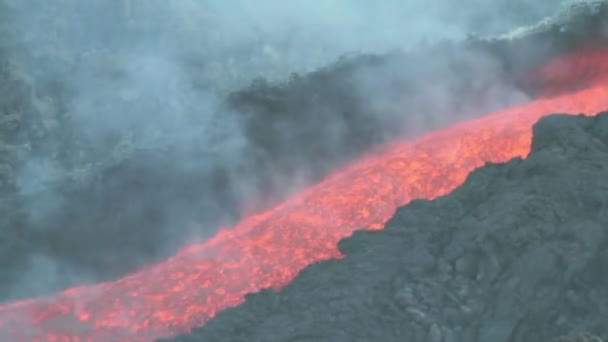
(269, 249)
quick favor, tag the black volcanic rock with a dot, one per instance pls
(517, 253)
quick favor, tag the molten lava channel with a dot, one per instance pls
(269, 249)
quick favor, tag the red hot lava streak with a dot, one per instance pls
(269, 249)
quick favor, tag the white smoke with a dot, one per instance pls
(158, 90)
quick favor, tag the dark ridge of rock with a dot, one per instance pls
(516, 254)
(578, 23)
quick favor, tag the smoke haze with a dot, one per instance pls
(132, 127)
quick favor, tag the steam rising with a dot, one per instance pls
(124, 145)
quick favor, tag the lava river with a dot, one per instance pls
(269, 249)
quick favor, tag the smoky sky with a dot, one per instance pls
(139, 153)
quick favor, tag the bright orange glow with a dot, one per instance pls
(269, 249)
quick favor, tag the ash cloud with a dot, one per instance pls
(132, 127)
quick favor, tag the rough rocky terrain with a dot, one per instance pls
(517, 253)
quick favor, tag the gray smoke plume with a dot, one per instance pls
(131, 127)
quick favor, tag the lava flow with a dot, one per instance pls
(269, 249)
